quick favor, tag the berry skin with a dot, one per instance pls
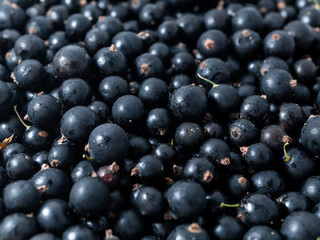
(17, 226)
(311, 189)
(188, 103)
(150, 203)
(246, 43)
(74, 92)
(279, 44)
(189, 135)
(29, 74)
(262, 210)
(54, 216)
(44, 111)
(182, 203)
(216, 150)
(200, 170)
(109, 174)
(300, 225)
(108, 143)
(212, 43)
(78, 232)
(293, 202)
(188, 232)
(71, 61)
(21, 196)
(110, 61)
(242, 132)
(309, 137)
(89, 197)
(128, 112)
(20, 166)
(227, 227)
(129, 225)
(77, 123)
(30, 47)
(111, 88)
(154, 92)
(262, 232)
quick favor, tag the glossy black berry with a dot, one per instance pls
(242, 132)
(54, 216)
(20, 166)
(212, 43)
(309, 137)
(189, 135)
(258, 156)
(21, 196)
(200, 170)
(216, 150)
(89, 197)
(129, 225)
(262, 210)
(182, 203)
(300, 225)
(154, 92)
(227, 227)
(30, 47)
(188, 231)
(78, 232)
(279, 44)
(18, 226)
(108, 143)
(247, 17)
(52, 182)
(110, 61)
(261, 232)
(128, 112)
(188, 103)
(71, 61)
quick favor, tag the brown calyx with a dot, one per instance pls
(275, 37)
(242, 181)
(86, 147)
(109, 235)
(207, 176)
(264, 96)
(235, 132)
(234, 115)
(220, 5)
(83, 2)
(44, 166)
(41, 93)
(144, 68)
(43, 134)
(240, 217)
(312, 116)
(55, 163)
(225, 161)
(26, 117)
(14, 78)
(62, 139)
(194, 228)
(281, 5)
(168, 216)
(162, 132)
(287, 139)
(42, 189)
(203, 65)
(32, 30)
(114, 167)
(209, 43)
(293, 83)
(113, 48)
(136, 186)
(264, 70)
(263, 10)
(169, 181)
(246, 33)
(176, 169)
(244, 150)
(135, 171)
(93, 174)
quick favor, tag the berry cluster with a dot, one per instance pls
(155, 120)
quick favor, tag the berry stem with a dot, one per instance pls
(316, 3)
(285, 153)
(18, 115)
(87, 157)
(207, 80)
(228, 205)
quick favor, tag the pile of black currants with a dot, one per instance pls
(155, 120)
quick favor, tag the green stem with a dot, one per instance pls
(87, 157)
(18, 115)
(229, 205)
(285, 153)
(207, 80)
(316, 3)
